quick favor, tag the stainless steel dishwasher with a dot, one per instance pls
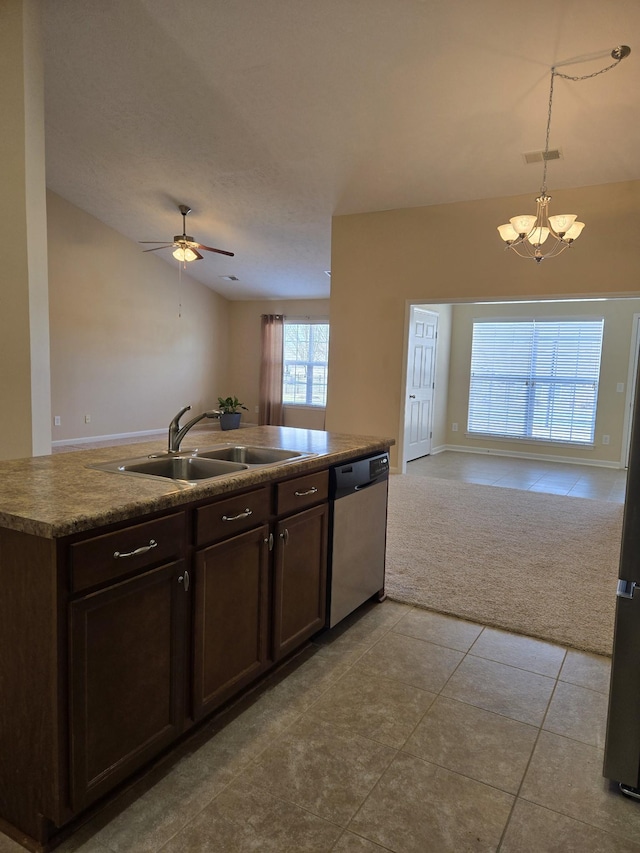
(358, 495)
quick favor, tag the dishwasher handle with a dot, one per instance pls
(362, 486)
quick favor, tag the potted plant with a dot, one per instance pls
(230, 413)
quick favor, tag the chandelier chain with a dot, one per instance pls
(546, 141)
(587, 76)
(554, 74)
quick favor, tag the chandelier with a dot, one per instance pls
(528, 233)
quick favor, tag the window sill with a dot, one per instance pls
(304, 406)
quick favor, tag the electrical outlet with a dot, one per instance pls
(620, 387)
(454, 427)
(57, 420)
(87, 419)
(605, 439)
(257, 410)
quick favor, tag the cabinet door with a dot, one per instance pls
(231, 617)
(300, 578)
(127, 661)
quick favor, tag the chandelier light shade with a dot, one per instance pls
(527, 234)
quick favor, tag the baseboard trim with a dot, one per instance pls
(543, 457)
(150, 433)
(89, 439)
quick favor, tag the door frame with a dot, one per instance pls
(631, 391)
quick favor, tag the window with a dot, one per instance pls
(535, 379)
(305, 357)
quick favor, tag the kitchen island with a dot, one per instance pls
(133, 609)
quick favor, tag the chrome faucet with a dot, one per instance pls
(177, 433)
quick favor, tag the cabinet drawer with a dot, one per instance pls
(107, 557)
(231, 515)
(304, 491)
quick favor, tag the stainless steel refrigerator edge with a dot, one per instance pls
(358, 494)
(622, 746)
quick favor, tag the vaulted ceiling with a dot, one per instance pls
(267, 117)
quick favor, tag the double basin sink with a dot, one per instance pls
(199, 465)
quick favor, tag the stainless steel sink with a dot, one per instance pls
(185, 469)
(192, 467)
(250, 454)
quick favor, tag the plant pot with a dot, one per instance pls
(230, 420)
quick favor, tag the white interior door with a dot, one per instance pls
(421, 366)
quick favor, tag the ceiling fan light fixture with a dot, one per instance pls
(186, 254)
(184, 246)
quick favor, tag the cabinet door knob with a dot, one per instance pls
(185, 580)
(269, 541)
(118, 555)
(285, 536)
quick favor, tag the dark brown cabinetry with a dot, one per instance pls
(127, 669)
(231, 618)
(300, 561)
(127, 650)
(300, 576)
(123, 637)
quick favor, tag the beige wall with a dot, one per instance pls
(453, 253)
(244, 354)
(616, 349)
(24, 329)
(120, 352)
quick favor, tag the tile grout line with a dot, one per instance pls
(535, 744)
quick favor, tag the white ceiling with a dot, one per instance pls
(269, 116)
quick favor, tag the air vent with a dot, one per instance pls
(539, 157)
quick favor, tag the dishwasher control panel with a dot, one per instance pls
(355, 476)
(378, 465)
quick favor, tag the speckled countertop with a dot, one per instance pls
(53, 496)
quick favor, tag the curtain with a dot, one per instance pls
(271, 411)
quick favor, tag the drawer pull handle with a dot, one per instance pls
(310, 491)
(185, 580)
(118, 555)
(244, 514)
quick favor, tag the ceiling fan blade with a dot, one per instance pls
(209, 249)
(197, 254)
(167, 246)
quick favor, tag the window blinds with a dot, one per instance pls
(535, 379)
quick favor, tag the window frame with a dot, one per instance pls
(527, 399)
(310, 366)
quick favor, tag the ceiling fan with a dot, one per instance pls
(186, 248)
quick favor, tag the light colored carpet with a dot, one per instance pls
(537, 564)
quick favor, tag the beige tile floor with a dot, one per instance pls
(558, 478)
(399, 730)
